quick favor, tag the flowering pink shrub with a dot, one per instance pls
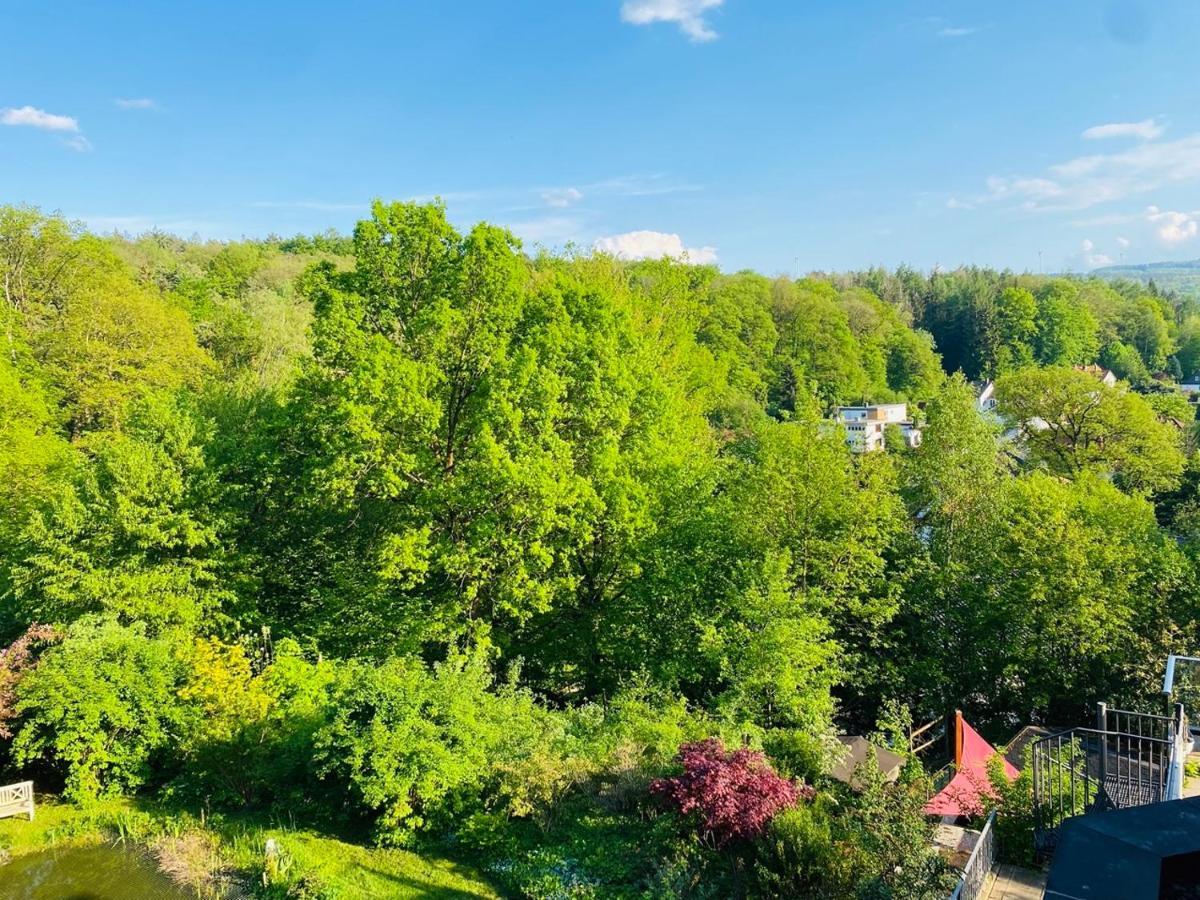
(735, 793)
(15, 660)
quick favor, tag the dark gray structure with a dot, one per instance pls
(1142, 853)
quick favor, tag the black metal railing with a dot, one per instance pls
(1126, 761)
(1124, 721)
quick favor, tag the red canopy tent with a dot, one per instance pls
(963, 796)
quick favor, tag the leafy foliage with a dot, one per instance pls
(734, 794)
(98, 708)
(1075, 423)
(411, 534)
(410, 742)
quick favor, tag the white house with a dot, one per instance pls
(1107, 377)
(866, 425)
(985, 396)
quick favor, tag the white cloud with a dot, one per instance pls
(1123, 243)
(654, 245)
(1151, 163)
(640, 186)
(945, 29)
(687, 14)
(37, 118)
(1088, 181)
(78, 143)
(1030, 188)
(1173, 227)
(957, 31)
(135, 103)
(1145, 130)
(561, 197)
(1092, 259)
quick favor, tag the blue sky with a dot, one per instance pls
(781, 136)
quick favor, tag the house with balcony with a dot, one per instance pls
(866, 426)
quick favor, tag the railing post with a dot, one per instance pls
(1179, 747)
(1102, 727)
(1035, 755)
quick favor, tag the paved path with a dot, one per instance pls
(1015, 883)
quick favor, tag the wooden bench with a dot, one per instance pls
(16, 799)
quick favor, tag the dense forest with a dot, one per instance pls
(1179, 278)
(431, 543)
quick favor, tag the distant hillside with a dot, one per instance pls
(1181, 277)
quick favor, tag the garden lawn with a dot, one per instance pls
(352, 871)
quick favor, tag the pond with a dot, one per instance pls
(86, 873)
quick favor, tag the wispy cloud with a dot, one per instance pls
(959, 31)
(1145, 130)
(1095, 179)
(561, 197)
(135, 103)
(944, 29)
(653, 245)
(78, 143)
(689, 15)
(1150, 165)
(640, 186)
(32, 117)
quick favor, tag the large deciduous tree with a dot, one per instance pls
(482, 442)
(1072, 422)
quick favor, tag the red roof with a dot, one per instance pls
(963, 796)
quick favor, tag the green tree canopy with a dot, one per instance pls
(1072, 423)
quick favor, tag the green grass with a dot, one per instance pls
(350, 871)
(57, 824)
(225, 849)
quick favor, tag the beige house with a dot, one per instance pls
(866, 425)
